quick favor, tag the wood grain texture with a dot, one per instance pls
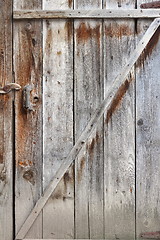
(148, 134)
(95, 13)
(6, 114)
(88, 96)
(119, 140)
(58, 214)
(28, 126)
(118, 88)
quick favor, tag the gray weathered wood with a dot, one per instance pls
(6, 114)
(88, 96)
(119, 140)
(148, 134)
(97, 13)
(119, 86)
(58, 121)
(28, 126)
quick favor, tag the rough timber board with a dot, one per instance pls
(28, 125)
(105, 13)
(6, 177)
(148, 134)
(119, 83)
(88, 94)
(58, 121)
(119, 139)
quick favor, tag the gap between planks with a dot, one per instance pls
(78, 14)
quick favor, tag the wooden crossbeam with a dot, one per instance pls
(77, 14)
(118, 83)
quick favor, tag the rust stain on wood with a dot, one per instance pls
(69, 29)
(118, 30)
(48, 46)
(97, 137)
(150, 235)
(1, 157)
(69, 3)
(67, 178)
(57, 194)
(149, 49)
(85, 32)
(61, 190)
(26, 163)
(80, 171)
(91, 146)
(118, 99)
(91, 149)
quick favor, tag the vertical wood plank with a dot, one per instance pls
(28, 70)
(88, 95)
(6, 114)
(58, 214)
(119, 140)
(148, 134)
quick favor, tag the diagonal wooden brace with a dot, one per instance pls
(119, 82)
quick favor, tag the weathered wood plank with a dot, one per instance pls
(6, 115)
(28, 70)
(119, 140)
(148, 134)
(118, 86)
(58, 121)
(95, 13)
(88, 95)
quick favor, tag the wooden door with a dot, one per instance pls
(90, 127)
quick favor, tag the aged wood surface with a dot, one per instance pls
(6, 114)
(58, 214)
(117, 88)
(97, 13)
(148, 135)
(88, 96)
(119, 139)
(28, 127)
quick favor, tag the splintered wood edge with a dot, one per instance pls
(117, 83)
(78, 14)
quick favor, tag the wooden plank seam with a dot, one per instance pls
(119, 81)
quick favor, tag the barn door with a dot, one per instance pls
(84, 124)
